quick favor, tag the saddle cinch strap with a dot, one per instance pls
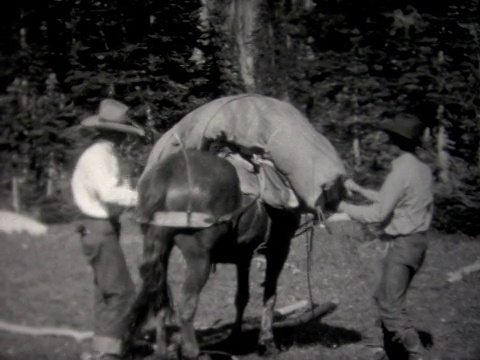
(194, 220)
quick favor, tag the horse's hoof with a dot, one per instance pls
(199, 357)
(267, 348)
(168, 356)
(155, 357)
(173, 351)
(204, 357)
(190, 355)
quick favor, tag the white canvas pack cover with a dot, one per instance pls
(276, 130)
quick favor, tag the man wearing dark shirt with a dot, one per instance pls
(404, 207)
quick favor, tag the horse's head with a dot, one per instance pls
(333, 193)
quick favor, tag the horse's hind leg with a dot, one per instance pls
(153, 297)
(284, 225)
(198, 261)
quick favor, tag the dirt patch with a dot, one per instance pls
(48, 283)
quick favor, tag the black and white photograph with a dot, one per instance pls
(240, 180)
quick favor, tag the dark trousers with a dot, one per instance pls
(404, 258)
(114, 288)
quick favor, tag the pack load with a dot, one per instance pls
(278, 154)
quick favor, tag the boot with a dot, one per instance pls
(411, 341)
(374, 353)
(110, 357)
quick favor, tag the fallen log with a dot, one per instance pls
(307, 314)
(79, 336)
(459, 274)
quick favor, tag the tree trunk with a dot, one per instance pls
(443, 157)
(23, 38)
(427, 136)
(205, 13)
(50, 176)
(306, 4)
(242, 22)
(49, 186)
(478, 151)
(356, 151)
(15, 194)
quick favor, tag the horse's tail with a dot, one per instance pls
(154, 293)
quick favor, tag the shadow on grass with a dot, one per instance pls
(293, 330)
(312, 333)
(297, 329)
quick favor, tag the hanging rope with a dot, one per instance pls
(309, 227)
(309, 246)
(189, 178)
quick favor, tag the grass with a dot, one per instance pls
(46, 282)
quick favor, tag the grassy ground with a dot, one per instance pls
(46, 282)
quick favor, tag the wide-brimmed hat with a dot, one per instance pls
(112, 115)
(407, 126)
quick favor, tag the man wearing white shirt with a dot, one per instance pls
(101, 193)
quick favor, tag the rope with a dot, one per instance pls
(189, 178)
(303, 228)
(207, 124)
(323, 219)
(309, 247)
(217, 352)
(309, 226)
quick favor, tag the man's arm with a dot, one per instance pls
(107, 183)
(371, 195)
(392, 190)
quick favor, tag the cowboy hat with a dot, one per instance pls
(407, 126)
(112, 115)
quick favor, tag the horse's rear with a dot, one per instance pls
(189, 182)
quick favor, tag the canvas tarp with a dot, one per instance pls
(271, 133)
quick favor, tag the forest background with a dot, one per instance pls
(345, 64)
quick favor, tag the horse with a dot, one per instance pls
(218, 224)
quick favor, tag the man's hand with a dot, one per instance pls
(339, 216)
(351, 186)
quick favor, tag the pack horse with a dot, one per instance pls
(193, 200)
(220, 205)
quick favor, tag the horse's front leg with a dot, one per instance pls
(242, 296)
(275, 262)
(198, 269)
(161, 352)
(283, 228)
